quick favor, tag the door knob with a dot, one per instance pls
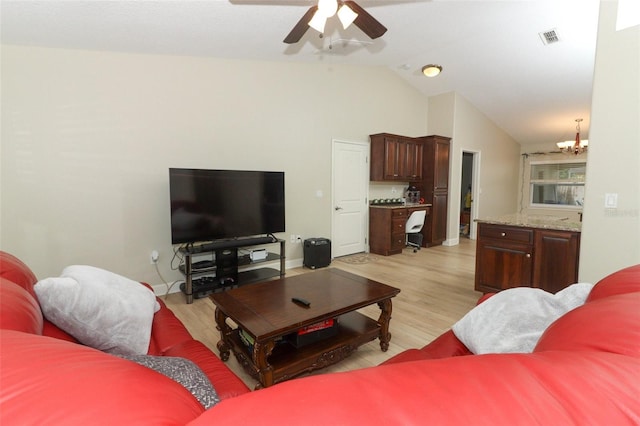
(338, 208)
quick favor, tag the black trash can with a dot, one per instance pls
(317, 253)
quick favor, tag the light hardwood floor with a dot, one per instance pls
(436, 290)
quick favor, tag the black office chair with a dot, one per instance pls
(413, 227)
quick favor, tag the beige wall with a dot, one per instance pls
(498, 164)
(611, 237)
(87, 138)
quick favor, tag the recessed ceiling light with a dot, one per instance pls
(431, 70)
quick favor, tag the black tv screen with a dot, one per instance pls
(209, 205)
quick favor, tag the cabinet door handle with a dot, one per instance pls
(503, 234)
(338, 208)
(528, 255)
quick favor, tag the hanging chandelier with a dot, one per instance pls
(574, 147)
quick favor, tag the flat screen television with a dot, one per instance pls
(208, 205)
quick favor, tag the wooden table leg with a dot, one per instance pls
(261, 352)
(385, 318)
(221, 324)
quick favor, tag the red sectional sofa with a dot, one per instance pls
(48, 378)
(584, 370)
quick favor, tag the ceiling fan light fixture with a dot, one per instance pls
(328, 8)
(351, 13)
(318, 21)
(431, 70)
(346, 16)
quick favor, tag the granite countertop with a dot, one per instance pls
(535, 221)
(399, 206)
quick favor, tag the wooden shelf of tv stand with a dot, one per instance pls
(248, 270)
(287, 361)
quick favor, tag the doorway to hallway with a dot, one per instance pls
(469, 190)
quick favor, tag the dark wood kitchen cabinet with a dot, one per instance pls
(387, 227)
(434, 187)
(555, 262)
(395, 158)
(514, 256)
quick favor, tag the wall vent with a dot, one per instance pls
(550, 36)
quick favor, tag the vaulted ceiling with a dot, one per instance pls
(491, 51)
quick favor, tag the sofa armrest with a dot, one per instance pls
(445, 346)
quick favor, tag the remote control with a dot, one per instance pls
(301, 302)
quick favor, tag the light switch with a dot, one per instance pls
(611, 201)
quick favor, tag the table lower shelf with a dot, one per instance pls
(286, 361)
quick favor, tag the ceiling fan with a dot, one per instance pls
(348, 12)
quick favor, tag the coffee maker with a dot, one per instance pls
(412, 195)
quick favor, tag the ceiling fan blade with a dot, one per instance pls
(367, 23)
(301, 27)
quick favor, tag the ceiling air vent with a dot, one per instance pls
(550, 36)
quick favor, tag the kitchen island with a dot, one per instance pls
(527, 251)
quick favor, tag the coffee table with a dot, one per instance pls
(266, 314)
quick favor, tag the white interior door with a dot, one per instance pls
(350, 188)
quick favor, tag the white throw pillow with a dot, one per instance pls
(99, 308)
(513, 320)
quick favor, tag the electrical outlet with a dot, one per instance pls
(154, 257)
(292, 238)
(298, 238)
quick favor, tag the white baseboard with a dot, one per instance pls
(451, 242)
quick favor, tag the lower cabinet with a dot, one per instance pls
(438, 225)
(512, 256)
(555, 264)
(387, 227)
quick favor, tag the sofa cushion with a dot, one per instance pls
(99, 308)
(167, 331)
(626, 280)
(226, 383)
(50, 381)
(15, 270)
(446, 345)
(611, 324)
(551, 388)
(18, 309)
(182, 371)
(514, 319)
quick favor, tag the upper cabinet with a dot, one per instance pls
(434, 187)
(395, 158)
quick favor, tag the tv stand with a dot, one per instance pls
(231, 243)
(230, 267)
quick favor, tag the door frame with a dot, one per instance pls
(475, 189)
(366, 172)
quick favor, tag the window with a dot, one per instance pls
(558, 184)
